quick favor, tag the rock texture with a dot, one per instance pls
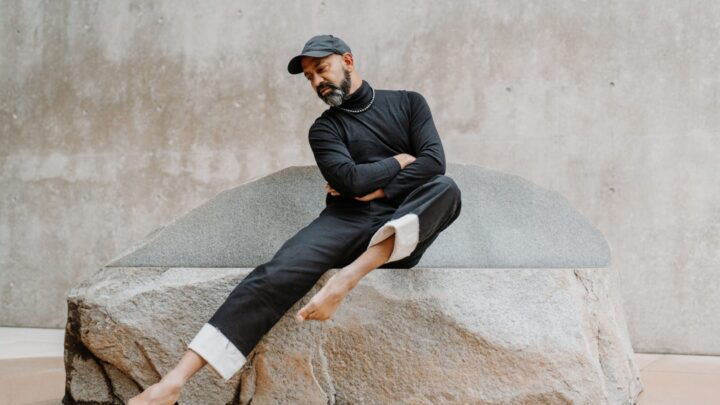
(506, 222)
(469, 329)
(420, 336)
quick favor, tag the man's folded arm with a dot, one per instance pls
(427, 149)
(340, 170)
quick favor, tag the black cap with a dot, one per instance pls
(318, 46)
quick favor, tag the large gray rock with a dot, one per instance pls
(548, 329)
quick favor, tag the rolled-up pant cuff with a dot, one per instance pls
(407, 232)
(218, 351)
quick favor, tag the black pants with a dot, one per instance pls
(342, 232)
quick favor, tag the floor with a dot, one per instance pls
(679, 379)
(32, 372)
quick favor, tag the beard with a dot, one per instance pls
(337, 94)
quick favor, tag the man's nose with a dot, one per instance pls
(317, 81)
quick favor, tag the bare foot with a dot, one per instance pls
(165, 392)
(324, 304)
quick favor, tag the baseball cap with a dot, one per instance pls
(318, 46)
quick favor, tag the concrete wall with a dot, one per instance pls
(117, 117)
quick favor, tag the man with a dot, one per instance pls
(387, 200)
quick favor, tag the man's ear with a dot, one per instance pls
(348, 61)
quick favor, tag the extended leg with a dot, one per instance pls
(262, 298)
(320, 307)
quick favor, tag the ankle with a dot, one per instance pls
(347, 278)
(173, 379)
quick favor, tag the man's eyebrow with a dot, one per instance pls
(315, 66)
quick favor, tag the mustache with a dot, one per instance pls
(324, 86)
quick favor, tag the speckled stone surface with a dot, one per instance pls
(402, 336)
(506, 221)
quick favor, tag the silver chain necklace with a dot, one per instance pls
(362, 109)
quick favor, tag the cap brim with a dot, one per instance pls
(295, 67)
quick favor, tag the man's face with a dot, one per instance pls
(328, 76)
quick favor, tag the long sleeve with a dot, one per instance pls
(427, 149)
(340, 170)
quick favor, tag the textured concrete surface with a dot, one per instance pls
(421, 336)
(506, 222)
(117, 117)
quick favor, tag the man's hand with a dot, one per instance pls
(404, 159)
(379, 193)
(332, 191)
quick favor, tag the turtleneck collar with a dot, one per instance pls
(359, 98)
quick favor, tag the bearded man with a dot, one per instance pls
(387, 199)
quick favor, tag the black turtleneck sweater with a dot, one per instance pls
(354, 151)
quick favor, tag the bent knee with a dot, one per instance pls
(450, 184)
